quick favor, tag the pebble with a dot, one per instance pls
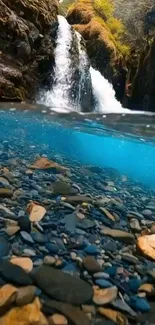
(24, 224)
(24, 262)
(91, 249)
(12, 230)
(118, 235)
(58, 319)
(52, 248)
(26, 237)
(14, 274)
(49, 260)
(105, 296)
(101, 275)
(103, 283)
(115, 316)
(91, 265)
(25, 295)
(8, 294)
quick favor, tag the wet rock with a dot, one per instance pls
(130, 258)
(29, 252)
(102, 283)
(36, 212)
(118, 235)
(152, 229)
(74, 314)
(78, 199)
(147, 213)
(70, 223)
(135, 225)
(26, 237)
(57, 319)
(25, 315)
(7, 212)
(8, 295)
(139, 304)
(91, 265)
(24, 262)
(134, 284)
(49, 260)
(6, 192)
(101, 275)
(12, 230)
(85, 224)
(115, 316)
(91, 250)
(52, 248)
(25, 295)
(89, 309)
(148, 288)
(63, 188)
(146, 245)
(4, 247)
(122, 305)
(24, 224)
(107, 213)
(105, 296)
(14, 274)
(62, 286)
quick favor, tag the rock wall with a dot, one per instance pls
(27, 32)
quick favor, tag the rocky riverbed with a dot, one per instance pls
(77, 243)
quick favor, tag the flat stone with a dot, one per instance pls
(91, 250)
(113, 315)
(85, 224)
(26, 237)
(49, 260)
(146, 245)
(102, 283)
(25, 295)
(105, 296)
(8, 294)
(43, 164)
(36, 212)
(57, 319)
(122, 305)
(74, 314)
(62, 286)
(130, 258)
(91, 265)
(7, 212)
(101, 275)
(14, 274)
(139, 304)
(62, 188)
(70, 223)
(152, 229)
(24, 262)
(25, 315)
(6, 193)
(52, 248)
(118, 235)
(135, 225)
(29, 252)
(12, 230)
(147, 213)
(148, 288)
(4, 247)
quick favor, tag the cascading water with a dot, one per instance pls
(60, 96)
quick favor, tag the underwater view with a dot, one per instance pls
(77, 162)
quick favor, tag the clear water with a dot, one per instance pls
(123, 142)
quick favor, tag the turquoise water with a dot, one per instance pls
(100, 141)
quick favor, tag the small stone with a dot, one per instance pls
(58, 319)
(12, 230)
(44, 163)
(152, 229)
(24, 262)
(118, 235)
(107, 213)
(73, 256)
(91, 249)
(148, 288)
(36, 212)
(4, 247)
(29, 252)
(49, 260)
(24, 224)
(135, 225)
(147, 213)
(62, 188)
(8, 295)
(25, 295)
(101, 275)
(89, 309)
(14, 274)
(139, 304)
(105, 296)
(113, 315)
(91, 265)
(7, 213)
(130, 258)
(6, 193)
(146, 244)
(103, 283)
(52, 248)
(26, 237)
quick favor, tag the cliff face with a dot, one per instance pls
(143, 84)
(27, 30)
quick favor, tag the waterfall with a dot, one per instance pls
(61, 96)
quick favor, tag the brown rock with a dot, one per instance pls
(74, 314)
(148, 288)
(113, 315)
(89, 309)
(104, 296)
(49, 260)
(107, 213)
(118, 235)
(24, 262)
(58, 319)
(8, 294)
(12, 230)
(26, 315)
(146, 245)
(152, 229)
(44, 163)
(36, 212)
(25, 295)
(91, 265)
(5, 192)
